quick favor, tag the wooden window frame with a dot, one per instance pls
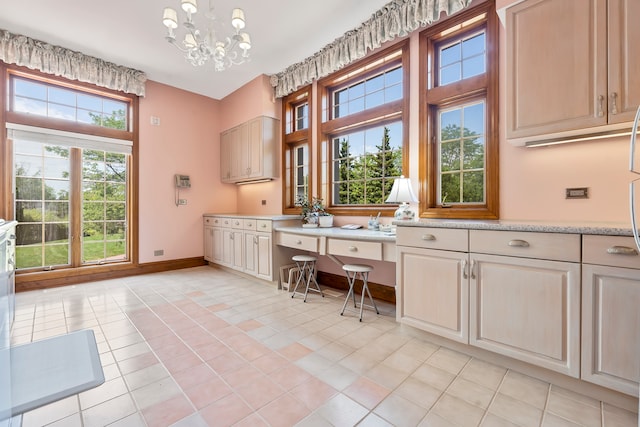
(292, 140)
(369, 118)
(65, 275)
(433, 97)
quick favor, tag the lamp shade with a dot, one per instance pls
(170, 18)
(189, 6)
(237, 18)
(401, 192)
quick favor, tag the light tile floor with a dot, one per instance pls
(204, 347)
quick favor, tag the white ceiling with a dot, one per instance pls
(130, 33)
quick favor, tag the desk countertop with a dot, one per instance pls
(341, 233)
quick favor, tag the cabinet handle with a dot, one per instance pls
(255, 240)
(353, 249)
(614, 102)
(264, 225)
(465, 274)
(237, 222)
(600, 106)
(428, 237)
(231, 237)
(622, 250)
(299, 242)
(517, 243)
(472, 269)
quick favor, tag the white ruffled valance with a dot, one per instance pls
(397, 19)
(59, 61)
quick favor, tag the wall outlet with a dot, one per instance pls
(158, 252)
(155, 121)
(264, 202)
(577, 193)
(182, 201)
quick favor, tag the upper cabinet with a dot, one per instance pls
(571, 68)
(249, 152)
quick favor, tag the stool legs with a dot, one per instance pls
(352, 280)
(306, 275)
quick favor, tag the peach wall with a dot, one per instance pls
(185, 142)
(252, 100)
(533, 180)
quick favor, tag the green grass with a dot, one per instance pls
(57, 252)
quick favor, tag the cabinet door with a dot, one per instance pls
(527, 309)
(238, 143)
(611, 327)
(217, 245)
(433, 293)
(227, 247)
(250, 253)
(254, 149)
(624, 59)
(264, 256)
(556, 66)
(208, 244)
(237, 260)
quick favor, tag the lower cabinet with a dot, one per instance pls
(246, 244)
(611, 313)
(527, 309)
(435, 291)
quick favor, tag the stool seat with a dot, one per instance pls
(357, 268)
(352, 272)
(306, 269)
(303, 258)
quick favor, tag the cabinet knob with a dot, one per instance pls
(264, 225)
(299, 242)
(353, 249)
(621, 250)
(428, 237)
(600, 105)
(614, 102)
(517, 243)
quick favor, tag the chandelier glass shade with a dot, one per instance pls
(201, 46)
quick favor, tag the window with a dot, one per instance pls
(297, 151)
(364, 135)
(71, 168)
(459, 109)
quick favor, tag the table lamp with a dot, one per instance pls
(402, 193)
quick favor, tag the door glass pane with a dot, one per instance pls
(42, 204)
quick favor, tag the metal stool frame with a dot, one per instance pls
(306, 273)
(363, 270)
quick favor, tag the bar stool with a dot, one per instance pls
(306, 266)
(363, 270)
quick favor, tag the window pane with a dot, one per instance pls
(365, 163)
(462, 154)
(68, 104)
(368, 93)
(462, 59)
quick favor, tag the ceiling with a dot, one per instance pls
(130, 33)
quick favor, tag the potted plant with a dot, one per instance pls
(314, 212)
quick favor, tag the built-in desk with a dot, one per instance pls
(334, 242)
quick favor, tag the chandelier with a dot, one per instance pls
(202, 46)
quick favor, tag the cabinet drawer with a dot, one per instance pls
(249, 224)
(237, 223)
(616, 251)
(433, 238)
(551, 246)
(305, 243)
(263, 225)
(355, 248)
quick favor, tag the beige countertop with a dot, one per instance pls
(274, 217)
(341, 233)
(600, 228)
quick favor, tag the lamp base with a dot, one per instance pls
(404, 213)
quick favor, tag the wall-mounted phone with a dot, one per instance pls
(183, 181)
